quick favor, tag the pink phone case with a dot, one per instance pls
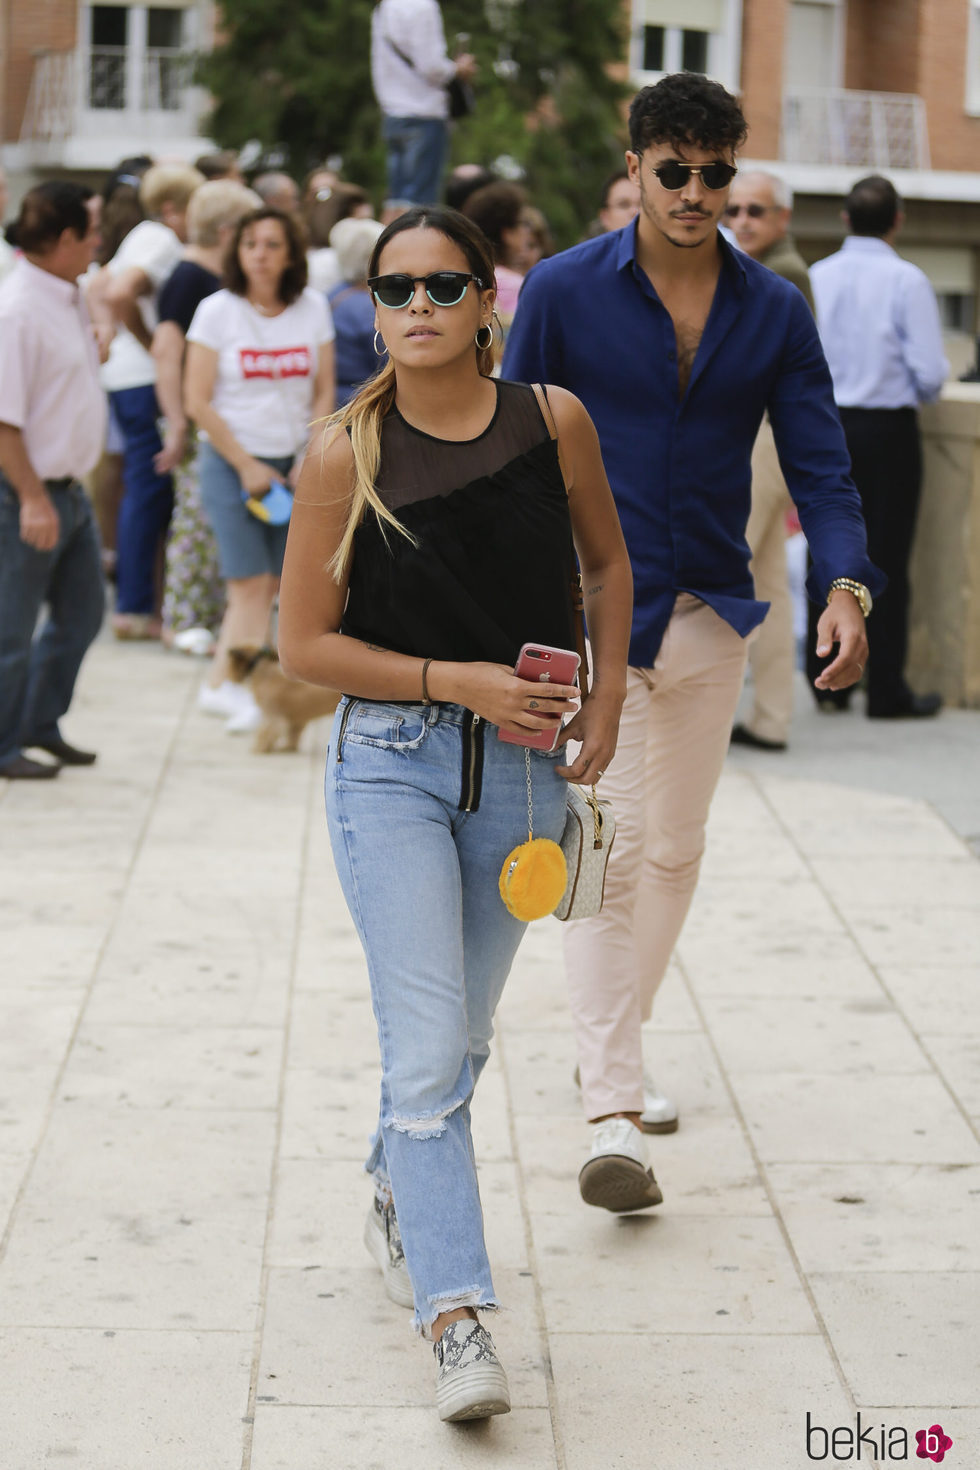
(538, 662)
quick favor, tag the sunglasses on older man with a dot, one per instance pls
(443, 288)
(754, 211)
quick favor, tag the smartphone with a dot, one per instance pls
(538, 663)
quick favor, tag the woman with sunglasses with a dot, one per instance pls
(431, 538)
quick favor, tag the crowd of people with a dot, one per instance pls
(479, 412)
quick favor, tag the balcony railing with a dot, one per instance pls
(67, 86)
(875, 130)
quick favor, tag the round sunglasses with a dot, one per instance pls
(673, 175)
(443, 288)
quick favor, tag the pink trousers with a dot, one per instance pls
(672, 741)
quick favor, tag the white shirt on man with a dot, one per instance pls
(266, 367)
(155, 250)
(879, 326)
(49, 372)
(415, 87)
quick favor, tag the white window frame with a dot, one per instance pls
(971, 98)
(840, 38)
(724, 47)
(138, 53)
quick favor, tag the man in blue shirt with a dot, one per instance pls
(677, 345)
(879, 324)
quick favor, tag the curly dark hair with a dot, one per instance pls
(685, 107)
(293, 280)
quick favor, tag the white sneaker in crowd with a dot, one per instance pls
(617, 1175)
(225, 700)
(248, 717)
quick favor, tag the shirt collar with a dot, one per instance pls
(732, 260)
(42, 280)
(868, 245)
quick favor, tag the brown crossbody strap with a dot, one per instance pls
(575, 581)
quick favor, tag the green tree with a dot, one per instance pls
(296, 76)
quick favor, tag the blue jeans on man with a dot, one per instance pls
(147, 503)
(417, 148)
(37, 674)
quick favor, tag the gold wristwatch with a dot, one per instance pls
(858, 589)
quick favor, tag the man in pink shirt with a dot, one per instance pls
(52, 428)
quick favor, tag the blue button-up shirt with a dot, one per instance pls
(879, 324)
(589, 320)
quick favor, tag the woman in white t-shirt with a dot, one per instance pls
(260, 368)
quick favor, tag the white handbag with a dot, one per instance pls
(590, 827)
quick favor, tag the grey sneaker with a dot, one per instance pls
(384, 1242)
(470, 1382)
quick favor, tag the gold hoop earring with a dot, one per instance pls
(381, 351)
(484, 346)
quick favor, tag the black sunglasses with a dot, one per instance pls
(443, 288)
(673, 175)
(754, 211)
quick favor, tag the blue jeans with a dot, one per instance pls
(247, 547)
(37, 675)
(420, 875)
(147, 502)
(417, 149)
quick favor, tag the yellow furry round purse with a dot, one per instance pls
(534, 876)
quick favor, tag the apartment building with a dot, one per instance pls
(834, 89)
(83, 84)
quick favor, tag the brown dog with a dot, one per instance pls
(286, 705)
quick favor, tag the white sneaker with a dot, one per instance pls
(249, 717)
(659, 1113)
(617, 1174)
(228, 699)
(470, 1381)
(199, 642)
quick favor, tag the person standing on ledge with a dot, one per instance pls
(410, 70)
(678, 345)
(52, 427)
(760, 207)
(880, 328)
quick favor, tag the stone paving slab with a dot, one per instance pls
(188, 1080)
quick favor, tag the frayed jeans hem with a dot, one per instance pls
(450, 1303)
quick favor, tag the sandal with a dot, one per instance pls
(136, 627)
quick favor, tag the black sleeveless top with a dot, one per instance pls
(493, 556)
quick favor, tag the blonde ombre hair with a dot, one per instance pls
(363, 417)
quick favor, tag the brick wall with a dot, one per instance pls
(954, 138)
(763, 37)
(37, 25)
(882, 45)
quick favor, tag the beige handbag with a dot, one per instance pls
(590, 826)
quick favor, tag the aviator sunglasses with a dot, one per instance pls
(754, 211)
(443, 288)
(673, 175)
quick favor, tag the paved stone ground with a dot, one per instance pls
(187, 1079)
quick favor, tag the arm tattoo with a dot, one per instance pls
(376, 648)
(592, 590)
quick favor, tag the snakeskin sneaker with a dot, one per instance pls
(384, 1242)
(470, 1382)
